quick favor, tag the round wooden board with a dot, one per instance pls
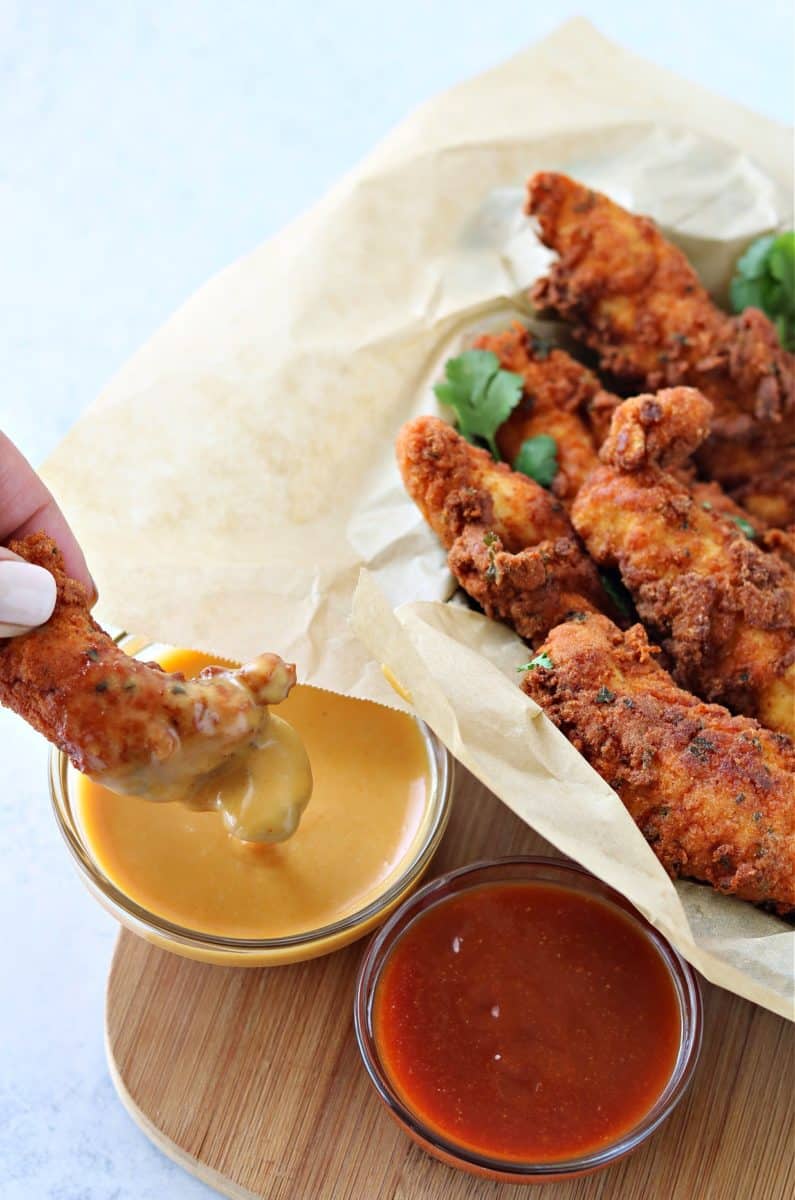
(251, 1078)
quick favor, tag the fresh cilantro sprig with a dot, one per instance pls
(540, 660)
(538, 458)
(765, 278)
(482, 395)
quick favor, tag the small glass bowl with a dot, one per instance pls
(251, 952)
(535, 869)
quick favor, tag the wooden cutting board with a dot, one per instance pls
(251, 1078)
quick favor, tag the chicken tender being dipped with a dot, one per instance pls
(511, 545)
(710, 792)
(139, 730)
(722, 608)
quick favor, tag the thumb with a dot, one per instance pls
(27, 595)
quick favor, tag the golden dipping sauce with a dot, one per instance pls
(372, 782)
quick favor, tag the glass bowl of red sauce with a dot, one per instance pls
(522, 1021)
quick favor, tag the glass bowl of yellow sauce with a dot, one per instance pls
(176, 876)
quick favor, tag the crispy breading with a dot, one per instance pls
(504, 533)
(557, 391)
(663, 429)
(455, 485)
(782, 543)
(531, 590)
(635, 299)
(129, 724)
(769, 490)
(722, 608)
(712, 793)
(712, 496)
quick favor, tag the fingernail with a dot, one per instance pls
(27, 597)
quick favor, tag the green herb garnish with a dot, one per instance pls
(611, 582)
(481, 393)
(540, 660)
(605, 696)
(92, 654)
(745, 526)
(538, 458)
(765, 278)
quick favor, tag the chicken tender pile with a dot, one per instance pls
(685, 495)
(722, 608)
(634, 299)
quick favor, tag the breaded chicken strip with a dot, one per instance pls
(557, 391)
(722, 608)
(130, 725)
(712, 793)
(503, 532)
(455, 485)
(531, 590)
(635, 299)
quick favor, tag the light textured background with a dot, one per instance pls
(144, 146)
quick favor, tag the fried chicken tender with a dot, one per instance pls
(511, 545)
(455, 485)
(557, 390)
(722, 608)
(532, 590)
(635, 299)
(130, 725)
(711, 793)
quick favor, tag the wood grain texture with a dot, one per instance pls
(252, 1080)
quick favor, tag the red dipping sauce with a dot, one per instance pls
(526, 1021)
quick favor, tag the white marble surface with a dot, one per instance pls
(143, 147)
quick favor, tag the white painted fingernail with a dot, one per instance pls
(27, 597)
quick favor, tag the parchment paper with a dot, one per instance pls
(236, 475)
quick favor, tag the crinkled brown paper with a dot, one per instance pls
(238, 473)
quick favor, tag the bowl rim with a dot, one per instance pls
(145, 922)
(377, 954)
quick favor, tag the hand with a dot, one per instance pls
(27, 592)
